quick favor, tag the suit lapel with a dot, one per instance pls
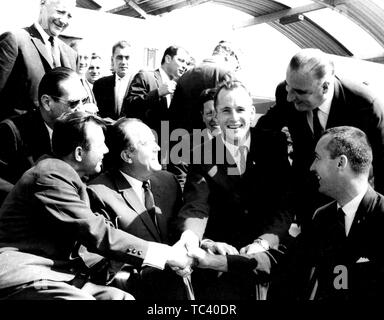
(39, 44)
(134, 202)
(223, 169)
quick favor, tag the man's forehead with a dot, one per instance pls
(238, 93)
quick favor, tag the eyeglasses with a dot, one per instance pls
(72, 103)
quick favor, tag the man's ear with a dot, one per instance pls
(126, 156)
(168, 58)
(45, 101)
(325, 86)
(343, 162)
(79, 154)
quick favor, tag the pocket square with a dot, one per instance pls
(362, 260)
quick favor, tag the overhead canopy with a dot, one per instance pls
(290, 17)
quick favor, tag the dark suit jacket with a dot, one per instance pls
(23, 62)
(354, 105)
(112, 195)
(324, 246)
(45, 218)
(104, 91)
(19, 153)
(143, 100)
(232, 208)
(185, 108)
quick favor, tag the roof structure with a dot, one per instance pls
(292, 21)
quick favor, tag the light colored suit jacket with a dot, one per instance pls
(43, 221)
(24, 60)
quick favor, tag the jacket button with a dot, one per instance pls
(134, 251)
(139, 252)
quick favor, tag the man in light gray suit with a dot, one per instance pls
(27, 54)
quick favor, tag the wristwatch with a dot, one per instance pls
(263, 243)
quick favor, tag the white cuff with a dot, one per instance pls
(157, 255)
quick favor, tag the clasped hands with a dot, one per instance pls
(210, 254)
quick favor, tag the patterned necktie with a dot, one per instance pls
(317, 127)
(149, 201)
(55, 52)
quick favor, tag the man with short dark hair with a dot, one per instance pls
(339, 256)
(25, 138)
(234, 196)
(46, 223)
(185, 107)
(110, 91)
(26, 55)
(151, 92)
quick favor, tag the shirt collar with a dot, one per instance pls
(124, 79)
(233, 148)
(136, 185)
(351, 207)
(43, 34)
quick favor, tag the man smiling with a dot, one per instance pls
(26, 55)
(233, 197)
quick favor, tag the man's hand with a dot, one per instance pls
(218, 247)
(167, 88)
(252, 248)
(178, 258)
(207, 260)
(188, 240)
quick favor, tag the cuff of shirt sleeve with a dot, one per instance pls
(157, 255)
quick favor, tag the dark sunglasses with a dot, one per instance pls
(72, 103)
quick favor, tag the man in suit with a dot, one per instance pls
(46, 223)
(110, 91)
(27, 137)
(185, 106)
(150, 92)
(119, 194)
(312, 99)
(340, 257)
(26, 55)
(83, 63)
(234, 193)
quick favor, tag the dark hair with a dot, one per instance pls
(353, 143)
(229, 84)
(117, 140)
(50, 83)
(206, 95)
(170, 51)
(314, 61)
(69, 132)
(120, 44)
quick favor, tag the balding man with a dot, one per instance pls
(312, 99)
(26, 55)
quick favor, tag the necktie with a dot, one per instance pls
(242, 151)
(317, 127)
(55, 52)
(149, 201)
(341, 219)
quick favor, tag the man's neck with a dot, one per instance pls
(352, 189)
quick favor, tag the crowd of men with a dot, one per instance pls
(90, 209)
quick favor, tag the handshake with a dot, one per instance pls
(188, 252)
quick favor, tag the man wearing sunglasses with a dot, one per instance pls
(25, 138)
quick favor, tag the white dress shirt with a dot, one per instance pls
(121, 86)
(350, 210)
